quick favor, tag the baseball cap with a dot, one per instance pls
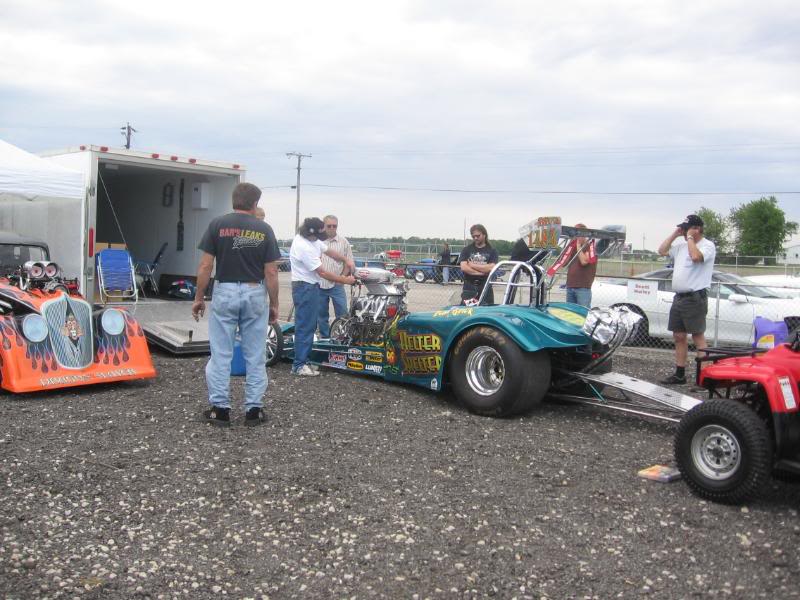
(692, 221)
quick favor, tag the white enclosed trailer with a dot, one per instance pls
(143, 200)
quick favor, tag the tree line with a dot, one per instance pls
(756, 228)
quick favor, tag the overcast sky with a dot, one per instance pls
(508, 101)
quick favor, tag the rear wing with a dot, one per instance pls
(555, 245)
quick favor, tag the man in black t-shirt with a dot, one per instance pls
(477, 260)
(246, 255)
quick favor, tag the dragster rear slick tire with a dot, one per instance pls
(724, 451)
(492, 376)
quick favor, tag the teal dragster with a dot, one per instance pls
(499, 360)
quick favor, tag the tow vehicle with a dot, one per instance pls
(504, 359)
(50, 337)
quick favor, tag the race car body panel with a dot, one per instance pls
(777, 371)
(52, 339)
(415, 346)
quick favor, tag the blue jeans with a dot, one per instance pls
(306, 313)
(582, 296)
(244, 306)
(445, 274)
(337, 296)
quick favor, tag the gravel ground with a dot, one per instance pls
(356, 488)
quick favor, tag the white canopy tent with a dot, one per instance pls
(43, 200)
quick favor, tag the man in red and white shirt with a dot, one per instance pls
(328, 290)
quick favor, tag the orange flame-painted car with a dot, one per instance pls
(50, 337)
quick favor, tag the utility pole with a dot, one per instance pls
(300, 158)
(126, 131)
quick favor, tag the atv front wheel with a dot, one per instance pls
(493, 376)
(724, 451)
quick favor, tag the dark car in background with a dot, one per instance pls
(429, 269)
(283, 263)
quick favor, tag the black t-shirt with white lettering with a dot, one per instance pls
(241, 245)
(484, 256)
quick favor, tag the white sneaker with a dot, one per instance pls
(314, 368)
(306, 371)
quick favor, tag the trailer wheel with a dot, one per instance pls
(492, 376)
(274, 344)
(419, 277)
(724, 451)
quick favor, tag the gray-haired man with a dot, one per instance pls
(329, 291)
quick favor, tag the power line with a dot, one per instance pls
(562, 192)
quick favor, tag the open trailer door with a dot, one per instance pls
(143, 202)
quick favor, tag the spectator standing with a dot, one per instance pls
(580, 274)
(444, 260)
(330, 291)
(520, 251)
(305, 256)
(246, 254)
(477, 260)
(693, 256)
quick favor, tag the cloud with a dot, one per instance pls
(508, 95)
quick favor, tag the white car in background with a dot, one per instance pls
(785, 286)
(740, 302)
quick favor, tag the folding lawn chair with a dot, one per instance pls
(147, 270)
(116, 276)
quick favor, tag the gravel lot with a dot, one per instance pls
(356, 488)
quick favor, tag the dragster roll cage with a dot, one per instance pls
(550, 241)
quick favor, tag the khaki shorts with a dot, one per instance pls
(688, 313)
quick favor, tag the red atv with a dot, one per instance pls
(728, 446)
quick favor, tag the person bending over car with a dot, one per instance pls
(305, 256)
(477, 260)
(693, 256)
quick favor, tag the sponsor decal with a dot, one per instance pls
(373, 368)
(50, 381)
(355, 365)
(422, 364)
(334, 365)
(426, 342)
(454, 312)
(374, 356)
(567, 315)
(434, 384)
(354, 354)
(337, 358)
(115, 373)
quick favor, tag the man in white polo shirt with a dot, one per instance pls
(328, 290)
(693, 256)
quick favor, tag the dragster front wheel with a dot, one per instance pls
(492, 376)
(274, 344)
(724, 451)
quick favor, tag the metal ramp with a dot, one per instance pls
(627, 394)
(169, 325)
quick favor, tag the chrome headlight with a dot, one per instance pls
(112, 321)
(34, 328)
